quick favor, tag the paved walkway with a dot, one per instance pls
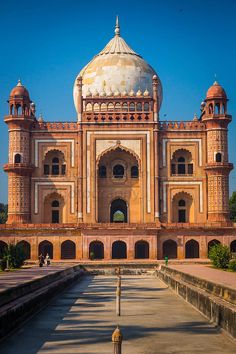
(207, 272)
(154, 321)
(21, 276)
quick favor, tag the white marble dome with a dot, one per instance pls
(117, 68)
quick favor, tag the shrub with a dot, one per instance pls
(232, 264)
(15, 255)
(220, 255)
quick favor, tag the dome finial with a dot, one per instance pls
(19, 83)
(117, 28)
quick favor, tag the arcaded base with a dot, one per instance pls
(118, 241)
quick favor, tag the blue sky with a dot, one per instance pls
(46, 43)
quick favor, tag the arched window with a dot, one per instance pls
(118, 107)
(139, 107)
(54, 163)
(102, 171)
(55, 204)
(118, 171)
(17, 158)
(88, 107)
(118, 211)
(212, 243)
(125, 107)
(110, 107)
(181, 166)
(134, 172)
(146, 107)
(218, 157)
(55, 212)
(233, 246)
(55, 166)
(182, 211)
(181, 163)
(182, 203)
(103, 107)
(217, 108)
(132, 106)
(210, 108)
(96, 107)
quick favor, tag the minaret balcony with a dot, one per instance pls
(18, 167)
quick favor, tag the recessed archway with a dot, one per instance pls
(68, 250)
(192, 249)
(46, 247)
(26, 248)
(96, 250)
(118, 211)
(3, 247)
(233, 246)
(141, 249)
(212, 243)
(170, 249)
(119, 250)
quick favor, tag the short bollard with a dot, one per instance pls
(117, 340)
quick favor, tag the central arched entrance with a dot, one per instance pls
(46, 247)
(192, 249)
(170, 249)
(119, 250)
(118, 211)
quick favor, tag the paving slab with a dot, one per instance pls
(153, 320)
(209, 273)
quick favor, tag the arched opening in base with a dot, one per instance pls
(3, 248)
(46, 247)
(211, 244)
(68, 250)
(233, 246)
(96, 250)
(192, 249)
(141, 250)
(25, 247)
(119, 250)
(170, 249)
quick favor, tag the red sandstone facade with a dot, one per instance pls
(118, 183)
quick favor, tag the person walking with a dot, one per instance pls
(47, 259)
(41, 260)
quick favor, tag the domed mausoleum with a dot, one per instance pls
(117, 70)
(118, 183)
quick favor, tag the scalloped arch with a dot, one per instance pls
(115, 147)
(182, 192)
(49, 150)
(181, 149)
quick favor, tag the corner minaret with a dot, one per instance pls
(19, 168)
(218, 168)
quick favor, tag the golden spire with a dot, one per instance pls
(117, 28)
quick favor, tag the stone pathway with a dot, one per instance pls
(207, 272)
(154, 321)
(21, 276)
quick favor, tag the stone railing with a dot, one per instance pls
(181, 125)
(117, 117)
(55, 126)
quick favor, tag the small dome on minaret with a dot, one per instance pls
(19, 91)
(216, 91)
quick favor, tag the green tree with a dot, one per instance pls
(15, 255)
(232, 206)
(220, 255)
(3, 213)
